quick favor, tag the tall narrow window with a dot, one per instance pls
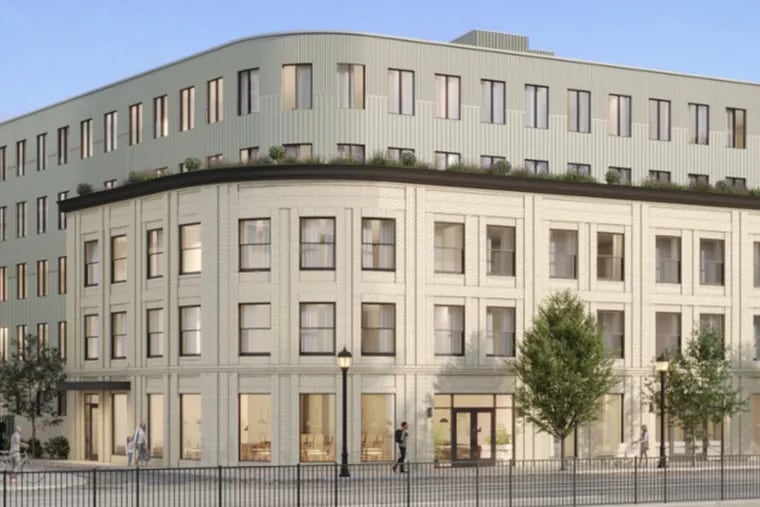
(91, 263)
(609, 256)
(215, 97)
(3, 222)
(20, 158)
(350, 86)
(62, 339)
(563, 254)
(91, 337)
(449, 330)
(619, 122)
(493, 100)
(537, 106)
(85, 139)
(449, 247)
(659, 120)
(155, 267)
(500, 250)
(699, 123)
(3, 283)
(62, 285)
(296, 86)
(21, 219)
(537, 166)
(187, 109)
(446, 159)
(3, 164)
(756, 340)
(579, 111)
(711, 261)
(378, 329)
(500, 331)
(155, 329)
(317, 427)
(737, 127)
(119, 424)
(42, 213)
(190, 331)
(135, 123)
(190, 434)
(351, 152)
(447, 96)
(255, 244)
(62, 196)
(255, 425)
(118, 335)
(118, 259)
(21, 280)
(612, 323)
(156, 425)
(248, 91)
(317, 243)
(42, 152)
(22, 338)
(160, 117)
(255, 329)
(43, 338)
(667, 333)
(400, 91)
(190, 249)
(111, 131)
(668, 258)
(317, 324)
(42, 278)
(63, 145)
(4, 351)
(378, 244)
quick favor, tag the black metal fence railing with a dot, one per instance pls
(534, 483)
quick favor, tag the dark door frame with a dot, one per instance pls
(90, 453)
(474, 431)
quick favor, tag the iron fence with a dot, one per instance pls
(535, 483)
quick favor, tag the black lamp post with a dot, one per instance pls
(661, 365)
(344, 362)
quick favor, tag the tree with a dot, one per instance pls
(562, 368)
(699, 388)
(30, 381)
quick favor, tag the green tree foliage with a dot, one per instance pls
(562, 368)
(29, 382)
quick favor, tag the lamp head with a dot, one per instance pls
(344, 359)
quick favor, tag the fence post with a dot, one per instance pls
(137, 486)
(335, 480)
(5, 488)
(635, 479)
(477, 483)
(298, 484)
(722, 477)
(511, 480)
(408, 483)
(219, 485)
(94, 487)
(665, 483)
(575, 496)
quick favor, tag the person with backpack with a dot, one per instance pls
(401, 437)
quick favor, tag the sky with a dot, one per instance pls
(51, 50)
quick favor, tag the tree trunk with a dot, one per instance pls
(562, 453)
(705, 439)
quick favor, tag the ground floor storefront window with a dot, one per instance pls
(378, 414)
(190, 431)
(317, 427)
(156, 425)
(255, 427)
(120, 429)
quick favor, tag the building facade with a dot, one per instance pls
(483, 99)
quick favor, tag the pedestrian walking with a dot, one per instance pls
(644, 442)
(130, 449)
(140, 442)
(402, 438)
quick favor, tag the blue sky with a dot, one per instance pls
(52, 50)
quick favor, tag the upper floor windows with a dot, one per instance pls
(579, 111)
(446, 159)
(62, 196)
(91, 337)
(42, 152)
(609, 256)
(255, 244)
(91, 263)
(699, 123)
(667, 333)
(118, 335)
(296, 86)
(447, 96)
(21, 280)
(155, 240)
(300, 151)
(711, 261)
(42, 213)
(401, 91)
(493, 101)
(351, 152)
(537, 166)
(663, 176)
(85, 139)
(135, 123)
(3, 283)
(579, 169)
(449, 330)
(3, 162)
(62, 286)
(668, 259)
(378, 329)
(248, 91)
(190, 330)
(659, 120)
(317, 325)
(623, 174)
(449, 247)
(379, 244)
(737, 127)
(563, 254)
(699, 180)
(20, 157)
(613, 331)
(619, 123)
(111, 131)
(350, 86)
(317, 243)
(63, 145)
(155, 330)
(160, 117)
(250, 153)
(190, 248)
(500, 250)
(187, 109)
(21, 219)
(537, 106)
(215, 96)
(491, 161)
(118, 259)
(255, 329)
(3, 222)
(500, 331)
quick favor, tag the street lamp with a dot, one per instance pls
(344, 363)
(661, 365)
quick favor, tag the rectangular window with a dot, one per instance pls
(296, 87)
(62, 339)
(91, 263)
(300, 151)
(446, 159)
(135, 123)
(378, 414)
(624, 174)
(62, 275)
(3, 283)
(699, 123)
(255, 244)
(155, 239)
(711, 261)
(699, 180)
(403, 155)
(118, 259)
(255, 329)
(155, 330)
(537, 106)
(215, 95)
(563, 254)
(160, 117)
(737, 183)
(500, 250)
(111, 134)
(659, 120)
(42, 213)
(609, 256)
(42, 335)
(449, 247)
(63, 145)
(21, 219)
(91, 337)
(21, 280)
(42, 278)
(190, 330)
(756, 335)
(713, 321)
(3, 164)
(667, 334)
(21, 340)
(350, 86)
(42, 152)
(248, 91)
(3, 222)
(118, 335)
(212, 160)
(255, 423)
(109, 184)
(4, 351)
(400, 91)
(187, 109)
(500, 331)
(119, 422)
(737, 127)
(491, 161)
(317, 427)
(537, 166)
(619, 122)
(191, 435)
(351, 152)
(378, 329)
(493, 101)
(317, 243)
(579, 111)
(248, 154)
(579, 169)
(613, 325)
(156, 425)
(62, 196)
(668, 252)
(85, 139)
(20, 158)
(379, 244)
(317, 323)
(449, 330)
(662, 176)
(447, 96)
(190, 249)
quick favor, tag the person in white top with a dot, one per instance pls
(141, 445)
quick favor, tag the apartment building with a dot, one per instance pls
(483, 99)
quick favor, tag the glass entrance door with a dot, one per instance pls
(473, 435)
(91, 427)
